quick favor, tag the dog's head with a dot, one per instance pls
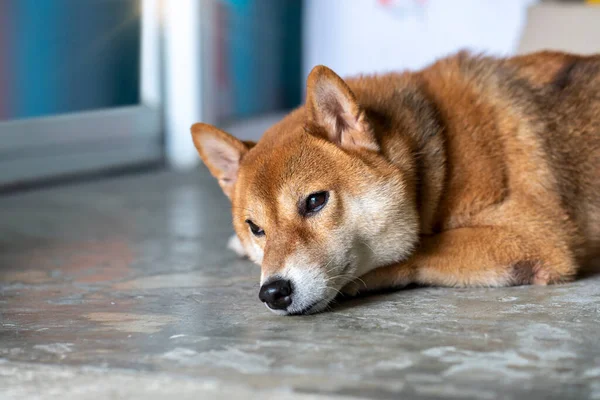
(314, 202)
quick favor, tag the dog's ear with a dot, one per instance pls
(221, 153)
(331, 105)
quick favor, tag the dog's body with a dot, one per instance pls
(473, 172)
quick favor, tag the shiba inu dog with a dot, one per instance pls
(475, 171)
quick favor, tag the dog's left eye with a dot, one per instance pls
(315, 202)
(255, 229)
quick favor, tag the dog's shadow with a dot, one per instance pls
(343, 302)
(589, 270)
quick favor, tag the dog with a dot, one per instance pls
(473, 172)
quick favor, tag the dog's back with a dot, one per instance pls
(524, 129)
(567, 92)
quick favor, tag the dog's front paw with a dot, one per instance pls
(235, 244)
(384, 278)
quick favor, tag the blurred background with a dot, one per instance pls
(95, 86)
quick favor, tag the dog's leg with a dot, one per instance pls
(475, 257)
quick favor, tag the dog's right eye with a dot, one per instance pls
(315, 202)
(255, 229)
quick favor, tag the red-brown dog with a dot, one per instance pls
(473, 172)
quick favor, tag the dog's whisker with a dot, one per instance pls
(338, 277)
(358, 279)
(370, 248)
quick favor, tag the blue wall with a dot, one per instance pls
(260, 44)
(60, 56)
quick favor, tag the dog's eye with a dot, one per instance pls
(315, 202)
(255, 229)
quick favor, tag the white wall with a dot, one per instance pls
(363, 36)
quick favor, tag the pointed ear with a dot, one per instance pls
(221, 153)
(331, 105)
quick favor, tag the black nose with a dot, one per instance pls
(276, 294)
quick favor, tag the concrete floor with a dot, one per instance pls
(124, 289)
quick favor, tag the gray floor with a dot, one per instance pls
(124, 289)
